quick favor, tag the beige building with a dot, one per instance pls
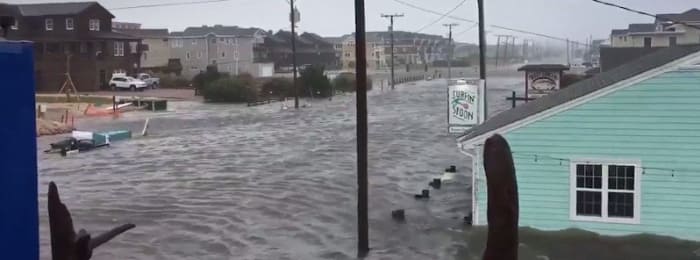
(230, 48)
(375, 53)
(661, 33)
(155, 47)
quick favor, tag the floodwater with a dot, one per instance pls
(233, 182)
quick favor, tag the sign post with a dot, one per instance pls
(465, 105)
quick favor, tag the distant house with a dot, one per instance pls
(661, 33)
(615, 154)
(80, 31)
(126, 26)
(311, 49)
(229, 48)
(155, 49)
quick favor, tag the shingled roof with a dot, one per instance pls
(642, 27)
(218, 30)
(619, 32)
(582, 88)
(692, 15)
(145, 33)
(55, 8)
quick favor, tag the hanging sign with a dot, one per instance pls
(542, 83)
(464, 105)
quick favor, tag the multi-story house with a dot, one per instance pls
(155, 48)
(667, 30)
(76, 38)
(311, 49)
(229, 48)
(375, 49)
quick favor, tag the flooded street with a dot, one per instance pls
(232, 182)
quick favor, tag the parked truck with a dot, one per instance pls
(151, 81)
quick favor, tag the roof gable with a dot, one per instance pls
(580, 90)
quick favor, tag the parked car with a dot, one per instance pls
(151, 81)
(121, 81)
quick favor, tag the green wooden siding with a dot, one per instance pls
(656, 122)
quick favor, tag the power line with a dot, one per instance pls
(467, 30)
(169, 4)
(492, 25)
(645, 13)
(442, 16)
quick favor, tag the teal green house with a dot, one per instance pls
(616, 154)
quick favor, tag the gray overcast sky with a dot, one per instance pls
(575, 19)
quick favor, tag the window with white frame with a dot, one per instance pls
(199, 55)
(605, 192)
(177, 43)
(194, 41)
(133, 47)
(94, 24)
(15, 26)
(119, 49)
(223, 54)
(69, 24)
(48, 24)
(188, 56)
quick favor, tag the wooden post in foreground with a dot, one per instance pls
(361, 78)
(502, 212)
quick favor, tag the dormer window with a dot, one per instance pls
(48, 23)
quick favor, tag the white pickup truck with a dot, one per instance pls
(121, 81)
(151, 81)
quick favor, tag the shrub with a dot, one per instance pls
(168, 81)
(227, 89)
(346, 82)
(315, 82)
(277, 87)
(203, 79)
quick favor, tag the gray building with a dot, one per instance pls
(155, 49)
(230, 48)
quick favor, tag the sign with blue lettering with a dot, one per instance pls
(463, 105)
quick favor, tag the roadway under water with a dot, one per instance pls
(233, 182)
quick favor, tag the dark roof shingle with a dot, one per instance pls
(692, 15)
(619, 32)
(642, 27)
(145, 33)
(582, 88)
(54, 8)
(218, 30)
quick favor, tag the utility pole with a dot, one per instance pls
(391, 33)
(451, 50)
(482, 54)
(505, 52)
(568, 52)
(498, 48)
(361, 78)
(292, 18)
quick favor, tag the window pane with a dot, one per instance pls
(620, 177)
(621, 204)
(589, 176)
(588, 203)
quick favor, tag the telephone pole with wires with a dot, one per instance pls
(293, 19)
(391, 35)
(451, 49)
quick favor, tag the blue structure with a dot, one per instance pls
(19, 217)
(615, 154)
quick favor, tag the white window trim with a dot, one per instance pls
(604, 190)
(188, 55)
(72, 24)
(94, 24)
(15, 26)
(118, 49)
(47, 22)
